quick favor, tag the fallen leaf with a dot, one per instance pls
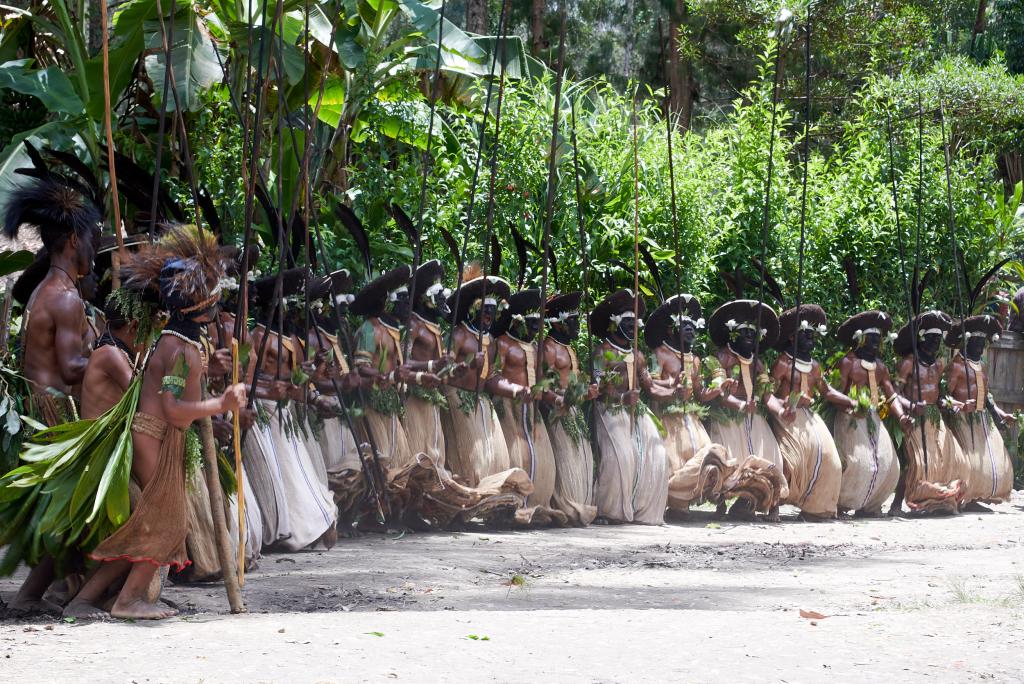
(713, 526)
(812, 614)
(376, 634)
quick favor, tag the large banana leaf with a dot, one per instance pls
(194, 62)
(50, 85)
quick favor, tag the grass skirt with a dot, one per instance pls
(156, 531)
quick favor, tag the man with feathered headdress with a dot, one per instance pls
(53, 349)
(632, 479)
(741, 329)
(476, 446)
(991, 478)
(697, 468)
(935, 470)
(566, 421)
(282, 461)
(813, 469)
(184, 271)
(515, 386)
(871, 468)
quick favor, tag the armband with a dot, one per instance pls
(173, 384)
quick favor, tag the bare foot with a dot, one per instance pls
(773, 515)
(742, 510)
(329, 538)
(813, 518)
(975, 507)
(31, 606)
(895, 510)
(869, 513)
(140, 610)
(720, 511)
(83, 610)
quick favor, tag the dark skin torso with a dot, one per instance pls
(466, 348)
(929, 374)
(54, 341)
(106, 379)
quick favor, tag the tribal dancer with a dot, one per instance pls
(934, 471)
(334, 374)
(424, 404)
(871, 468)
(384, 304)
(475, 445)
(566, 420)
(632, 479)
(812, 466)
(516, 387)
(289, 479)
(739, 329)
(991, 478)
(54, 327)
(670, 332)
(184, 267)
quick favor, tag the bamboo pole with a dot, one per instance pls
(238, 470)
(220, 525)
(107, 116)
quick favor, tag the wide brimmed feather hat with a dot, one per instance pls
(740, 312)
(676, 308)
(927, 322)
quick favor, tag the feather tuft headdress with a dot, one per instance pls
(185, 267)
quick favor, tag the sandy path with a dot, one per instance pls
(701, 601)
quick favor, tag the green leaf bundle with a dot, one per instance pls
(71, 491)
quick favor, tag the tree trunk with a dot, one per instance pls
(680, 71)
(477, 20)
(537, 13)
(979, 23)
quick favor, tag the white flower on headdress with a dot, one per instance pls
(228, 283)
(344, 299)
(858, 334)
(699, 323)
(518, 317)
(764, 331)
(731, 324)
(892, 336)
(995, 337)
(807, 325)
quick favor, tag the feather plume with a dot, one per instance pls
(199, 251)
(358, 233)
(495, 256)
(453, 246)
(56, 209)
(409, 228)
(652, 266)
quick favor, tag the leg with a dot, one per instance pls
(131, 603)
(29, 598)
(86, 602)
(897, 501)
(773, 515)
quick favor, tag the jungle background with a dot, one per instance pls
(323, 104)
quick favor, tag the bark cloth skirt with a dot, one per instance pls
(871, 468)
(812, 467)
(940, 485)
(574, 467)
(991, 478)
(632, 479)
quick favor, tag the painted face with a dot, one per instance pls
(929, 345)
(571, 326)
(744, 340)
(399, 307)
(208, 316)
(627, 327)
(685, 331)
(804, 342)
(436, 304)
(975, 347)
(869, 346)
(532, 327)
(86, 249)
(485, 319)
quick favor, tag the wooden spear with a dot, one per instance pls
(107, 115)
(238, 470)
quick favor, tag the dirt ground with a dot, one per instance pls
(703, 600)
